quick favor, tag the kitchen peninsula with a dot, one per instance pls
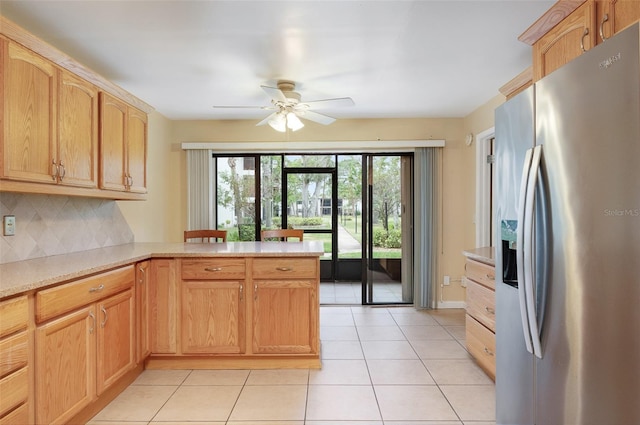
(96, 319)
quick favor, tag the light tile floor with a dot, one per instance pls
(380, 366)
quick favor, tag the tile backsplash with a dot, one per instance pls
(51, 225)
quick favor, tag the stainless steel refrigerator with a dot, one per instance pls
(568, 250)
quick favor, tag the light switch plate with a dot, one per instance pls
(9, 222)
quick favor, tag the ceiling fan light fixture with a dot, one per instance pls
(293, 122)
(279, 122)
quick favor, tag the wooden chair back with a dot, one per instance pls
(282, 234)
(209, 235)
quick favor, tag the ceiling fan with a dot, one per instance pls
(288, 109)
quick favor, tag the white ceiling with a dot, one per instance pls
(414, 58)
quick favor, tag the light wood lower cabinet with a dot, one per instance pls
(65, 366)
(213, 317)
(234, 309)
(481, 312)
(82, 348)
(143, 310)
(285, 317)
(163, 297)
(15, 363)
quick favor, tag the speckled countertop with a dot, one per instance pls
(484, 255)
(23, 276)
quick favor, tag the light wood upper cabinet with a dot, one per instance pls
(123, 146)
(567, 40)
(137, 150)
(55, 113)
(77, 131)
(113, 119)
(29, 88)
(615, 15)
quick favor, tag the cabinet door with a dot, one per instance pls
(212, 317)
(143, 345)
(616, 15)
(115, 349)
(565, 41)
(163, 293)
(65, 366)
(113, 118)
(137, 151)
(77, 131)
(285, 317)
(29, 126)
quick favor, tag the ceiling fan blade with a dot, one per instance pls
(242, 107)
(275, 93)
(330, 103)
(316, 117)
(266, 120)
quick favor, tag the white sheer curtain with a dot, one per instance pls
(427, 163)
(200, 189)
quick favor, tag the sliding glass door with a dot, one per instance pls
(388, 230)
(358, 205)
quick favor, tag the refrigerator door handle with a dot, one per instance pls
(520, 255)
(529, 249)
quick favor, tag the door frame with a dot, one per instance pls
(325, 274)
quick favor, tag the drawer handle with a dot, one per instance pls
(490, 310)
(213, 269)
(284, 269)
(489, 352)
(490, 276)
(96, 289)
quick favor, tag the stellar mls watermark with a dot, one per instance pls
(633, 212)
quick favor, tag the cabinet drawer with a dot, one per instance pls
(481, 343)
(483, 274)
(481, 304)
(61, 299)
(214, 269)
(287, 267)
(13, 353)
(18, 416)
(14, 389)
(15, 315)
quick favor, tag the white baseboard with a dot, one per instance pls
(451, 304)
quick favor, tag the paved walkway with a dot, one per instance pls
(346, 242)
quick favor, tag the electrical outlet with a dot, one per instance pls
(447, 281)
(9, 222)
